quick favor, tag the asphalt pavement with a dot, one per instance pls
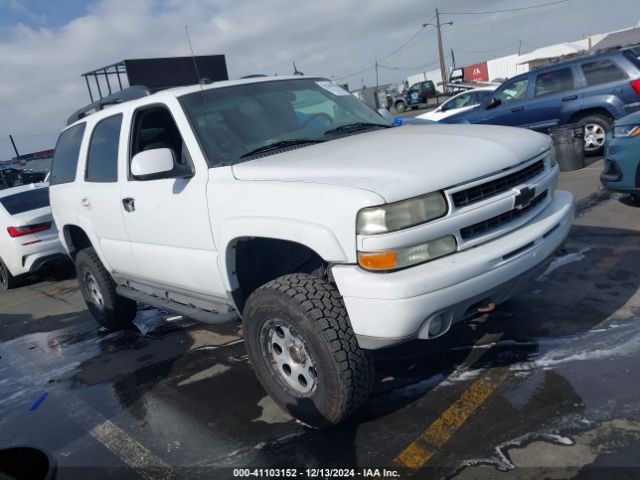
(546, 386)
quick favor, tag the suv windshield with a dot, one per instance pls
(238, 123)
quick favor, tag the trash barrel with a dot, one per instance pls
(569, 143)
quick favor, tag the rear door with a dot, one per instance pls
(554, 92)
(100, 191)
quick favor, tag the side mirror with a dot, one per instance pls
(156, 164)
(386, 114)
(493, 103)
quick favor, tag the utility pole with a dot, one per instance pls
(453, 59)
(14, 146)
(376, 99)
(441, 53)
(519, 47)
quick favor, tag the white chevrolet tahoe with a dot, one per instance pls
(292, 205)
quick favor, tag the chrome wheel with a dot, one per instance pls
(93, 290)
(289, 357)
(594, 136)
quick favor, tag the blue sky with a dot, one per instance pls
(46, 44)
(40, 13)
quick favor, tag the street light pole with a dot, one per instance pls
(440, 52)
(438, 27)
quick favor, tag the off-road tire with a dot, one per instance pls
(8, 281)
(603, 121)
(117, 312)
(400, 107)
(315, 309)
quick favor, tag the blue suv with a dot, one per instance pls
(591, 90)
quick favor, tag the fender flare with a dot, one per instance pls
(317, 237)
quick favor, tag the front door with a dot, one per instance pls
(511, 109)
(167, 219)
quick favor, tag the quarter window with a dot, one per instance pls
(602, 71)
(65, 159)
(553, 82)
(102, 161)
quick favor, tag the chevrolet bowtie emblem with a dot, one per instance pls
(524, 197)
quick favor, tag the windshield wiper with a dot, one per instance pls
(281, 144)
(354, 127)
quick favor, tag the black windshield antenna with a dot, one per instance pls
(195, 64)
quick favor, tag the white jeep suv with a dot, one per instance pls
(289, 203)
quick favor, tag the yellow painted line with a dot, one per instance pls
(440, 431)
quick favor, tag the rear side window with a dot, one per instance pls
(65, 159)
(555, 81)
(602, 71)
(102, 160)
(25, 201)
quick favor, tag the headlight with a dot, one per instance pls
(626, 131)
(406, 257)
(399, 215)
(552, 157)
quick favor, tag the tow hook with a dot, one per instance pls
(489, 307)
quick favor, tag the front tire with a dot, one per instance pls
(595, 131)
(7, 281)
(111, 310)
(304, 351)
(400, 107)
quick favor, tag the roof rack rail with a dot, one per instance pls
(125, 95)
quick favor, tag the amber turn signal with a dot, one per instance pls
(378, 261)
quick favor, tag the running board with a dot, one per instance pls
(195, 313)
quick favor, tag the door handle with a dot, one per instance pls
(517, 109)
(129, 204)
(569, 98)
(86, 203)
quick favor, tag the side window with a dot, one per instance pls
(513, 92)
(555, 81)
(65, 159)
(102, 160)
(602, 71)
(460, 101)
(154, 127)
(481, 96)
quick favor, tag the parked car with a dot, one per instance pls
(459, 103)
(28, 237)
(13, 177)
(416, 96)
(591, 90)
(622, 156)
(329, 239)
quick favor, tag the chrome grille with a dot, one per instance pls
(494, 187)
(493, 224)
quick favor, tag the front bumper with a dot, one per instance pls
(622, 165)
(390, 308)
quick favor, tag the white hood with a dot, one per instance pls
(401, 162)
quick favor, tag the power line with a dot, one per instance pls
(37, 135)
(408, 41)
(342, 77)
(507, 10)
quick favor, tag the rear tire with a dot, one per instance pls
(595, 129)
(111, 310)
(304, 351)
(7, 281)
